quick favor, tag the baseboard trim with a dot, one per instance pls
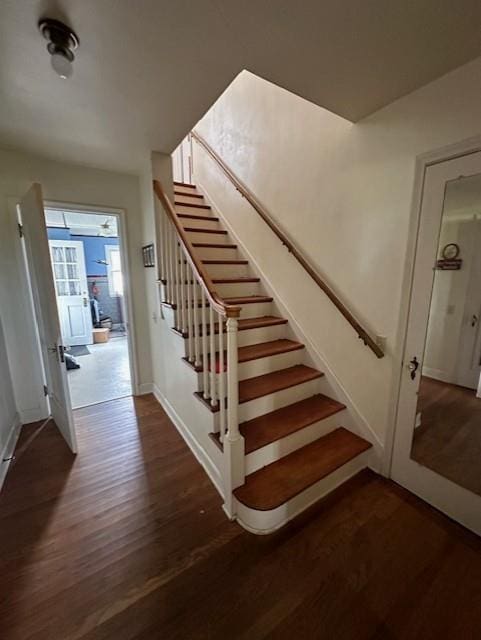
(437, 374)
(26, 416)
(9, 448)
(198, 451)
(145, 388)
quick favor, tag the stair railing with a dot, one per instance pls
(201, 316)
(362, 333)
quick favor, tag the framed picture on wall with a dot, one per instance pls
(148, 255)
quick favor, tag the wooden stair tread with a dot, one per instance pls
(213, 245)
(192, 216)
(183, 194)
(224, 261)
(266, 349)
(194, 205)
(184, 184)
(237, 280)
(282, 480)
(264, 385)
(240, 300)
(245, 324)
(220, 232)
(280, 423)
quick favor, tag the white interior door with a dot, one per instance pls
(448, 496)
(43, 292)
(68, 261)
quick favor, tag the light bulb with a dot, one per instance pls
(61, 65)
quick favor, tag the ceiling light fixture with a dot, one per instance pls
(62, 42)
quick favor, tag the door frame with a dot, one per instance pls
(422, 162)
(465, 505)
(120, 214)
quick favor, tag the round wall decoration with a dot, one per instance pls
(451, 251)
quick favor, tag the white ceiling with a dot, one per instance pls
(147, 70)
(81, 223)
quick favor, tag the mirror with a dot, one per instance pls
(447, 434)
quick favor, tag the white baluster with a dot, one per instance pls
(169, 262)
(195, 289)
(205, 355)
(182, 277)
(221, 378)
(234, 452)
(190, 316)
(213, 390)
(178, 312)
(173, 242)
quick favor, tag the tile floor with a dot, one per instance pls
(104, 374)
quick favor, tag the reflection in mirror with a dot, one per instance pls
(447, 434)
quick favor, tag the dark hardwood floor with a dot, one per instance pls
(128, 541)
(448, 440)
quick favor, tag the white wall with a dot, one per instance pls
(8, 411)
(72, 184)
(343, 192)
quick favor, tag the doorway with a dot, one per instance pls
(437, 451)
(86, 252)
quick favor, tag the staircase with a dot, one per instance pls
(283, 445)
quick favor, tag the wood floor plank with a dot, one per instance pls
(128, 541)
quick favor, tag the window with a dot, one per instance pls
(114, 270)
(65, 267)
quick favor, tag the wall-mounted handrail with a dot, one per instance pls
(248, 195)
(227, 310)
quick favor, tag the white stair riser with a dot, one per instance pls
(250, 310)
(184, 197)
(182, 208)
(261, 366)
(249, 336)
(263, 334)
(283, 447)
(263, 522)
(214, 253)
(227, 270)
(257, 310)
(277, 400)
(217, 238)
(200, 224)
(238, 289)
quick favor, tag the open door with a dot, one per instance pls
(39, 267)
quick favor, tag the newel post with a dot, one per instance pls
(234, 465)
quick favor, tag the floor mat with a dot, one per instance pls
(78, 351)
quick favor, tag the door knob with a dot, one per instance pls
(474, 320)
(413, 366)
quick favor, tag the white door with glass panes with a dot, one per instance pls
(68, 262)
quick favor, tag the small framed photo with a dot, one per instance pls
(148, 255)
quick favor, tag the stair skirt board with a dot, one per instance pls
(283, 447)
(265, 522)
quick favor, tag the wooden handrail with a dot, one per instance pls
(227, 310)
(244, 191)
